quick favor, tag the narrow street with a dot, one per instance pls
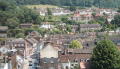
(35, 62)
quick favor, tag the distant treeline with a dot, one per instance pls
(82, 3)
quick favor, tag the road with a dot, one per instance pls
(35, 62)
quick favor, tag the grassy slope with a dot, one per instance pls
(41, 6)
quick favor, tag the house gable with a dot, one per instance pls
(48, 52)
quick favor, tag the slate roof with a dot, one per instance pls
(49, 60)
(31, 40)
(3, 28)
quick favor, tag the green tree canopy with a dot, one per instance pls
(72, 8)
(82, 3)
(118, 10)
(116, 21)
(105, 56)
(75, 44)
(12, 23)
(20, 35)
(12, 15)
(49, 12)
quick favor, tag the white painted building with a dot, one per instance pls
(20, 62)
(47, 26)
(49, 52)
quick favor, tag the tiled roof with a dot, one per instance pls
(80, 51)
(55, 46)
(73, 57)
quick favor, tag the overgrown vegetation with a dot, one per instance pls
(82, 3)
(105, 56)
(75, 44)
(12, 16)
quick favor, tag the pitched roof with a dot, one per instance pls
(73, 57)
(3, 28)
(49, 60)
(89, 25)
(20, 40)
(85, 51)
(52, 45)
(31, 41)
(26, 24)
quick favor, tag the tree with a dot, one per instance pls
(105, 56)
(56, 31)
(12, 23)
(64, 19)
(75, 44)
(49, 12)
(94, 15)
(4, 5)
(82, 3)
(68, 28)
(21, 15)
(29, 16)
(14, 32)
(72, 8)
(116, 21)
(20, 35)
(118, 10)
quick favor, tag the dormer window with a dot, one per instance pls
(22, 44)
(63, 53)
(87, 60)
(76, 60)
(82, 60)
(72, 64)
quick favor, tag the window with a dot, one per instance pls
(76, 60)
(87, 60)
(22, 44)
(66, 67)
(63, 53)
(76, 64)
(18, 45)
(82, 60)
(70, 52)
(15, 45)
(72, 64)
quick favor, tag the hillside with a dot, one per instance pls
(41, 6)
(82, 3)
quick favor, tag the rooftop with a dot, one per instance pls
(90, 25)
(3, 28)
